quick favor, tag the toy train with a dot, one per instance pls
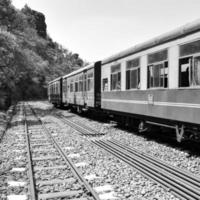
(156, 82)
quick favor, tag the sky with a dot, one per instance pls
(97, 29)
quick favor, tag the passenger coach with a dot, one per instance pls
(157, 82)
(81, 88)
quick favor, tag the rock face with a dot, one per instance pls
(36, 19)
(40, 23)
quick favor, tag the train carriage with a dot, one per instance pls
(81, 88)
(55, 91)
(157, 82)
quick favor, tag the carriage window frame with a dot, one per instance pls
(71, 85)
(76, 84)
(129, 70)
(56, 87)
(84, 81)
(189, 56)
(90, 81)
(65, 85)
(165, 63)
(188, 43)
(105, 84)
(58, 90)
(115, 77)
(80, 83)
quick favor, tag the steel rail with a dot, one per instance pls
(31, 177)
(177, 177)
(77, 127)
(175, 170)
(80, 127)
(88, 128)
(75, 171)
(181, 189)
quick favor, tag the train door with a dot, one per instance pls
(84, 88)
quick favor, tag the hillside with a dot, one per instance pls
(29, 57)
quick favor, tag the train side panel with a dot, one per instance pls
(177, 105)
(158, 83)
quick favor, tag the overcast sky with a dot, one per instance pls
(97, 29)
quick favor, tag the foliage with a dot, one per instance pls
(29, 58)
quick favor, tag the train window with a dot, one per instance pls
(81, 83)
(65, 85)
(54, 89)
(190, 48)
(184, 79)
(76, 84)
(71, 86)
(158, 75)
(158, 69)
(196, 71)
(105, 84)
(132, 74)
(157, 57)
(116, 77)
(189, 71)
(90, 81)
(85, 82)
(57, 88)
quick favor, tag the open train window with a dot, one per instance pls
(189, 71)
(116, 77)
(189, 64)
(133, 74)
(158, 70)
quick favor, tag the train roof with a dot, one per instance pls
(79, 70)
(73, 73)
(169, 36)
(54, 80)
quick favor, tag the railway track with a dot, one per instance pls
(181, 183)
(80, 127)
(52, 174)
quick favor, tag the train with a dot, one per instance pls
(155, 83)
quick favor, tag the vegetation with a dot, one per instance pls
(29, 58)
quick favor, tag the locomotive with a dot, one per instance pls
(153, 83)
